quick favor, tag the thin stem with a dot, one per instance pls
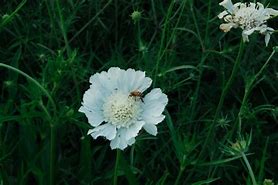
(203, 58)
(224, 93)
(250, 86)
(196, 93)
(62, 26)
(179, 175)
(52, 154)
(115, 179)
(207, 22)
(34, 81)
(116, 23)
(52, 129)
(244, 100)
(163, 37)
(229, 82)
(90, 21)
(12, 15)
(163, 51)
(249, 168)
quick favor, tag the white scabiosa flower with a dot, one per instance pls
(250, 17)
(115, 106)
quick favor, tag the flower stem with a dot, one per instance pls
(223, 94)
(244, 101)
(229, 82)
(249, 168)
(179, 175)
(249, 88)
(115, 179)
(52, 154)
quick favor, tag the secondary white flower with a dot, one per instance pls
(250, 17)
(115, 107)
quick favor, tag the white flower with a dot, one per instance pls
(115, 108)
(250, 17)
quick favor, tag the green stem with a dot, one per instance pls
(163, 37)
(62, 26)
(52, 131)
(249, 88)
(115, 179)
(163, 51)
(230, 81)
(203, 58)
(52, 154)
(207, 22)
(223, 95)
(249, 168)
(244, 101)
(34, 81)
(90, 21)
(12, 15)
(179, 175)
(196, 93)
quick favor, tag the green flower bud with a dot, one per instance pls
(268, 182)
(136, 16)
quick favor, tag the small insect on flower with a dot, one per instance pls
(137, 94)
(116, 109)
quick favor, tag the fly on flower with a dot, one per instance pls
(250, 17)
(112, 107)
(137, 94)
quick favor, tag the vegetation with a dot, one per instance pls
(221, 120)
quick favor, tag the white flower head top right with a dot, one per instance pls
(250, 17)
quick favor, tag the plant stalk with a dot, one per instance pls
(249, 168)
(115, 178)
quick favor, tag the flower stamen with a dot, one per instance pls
(121, 110)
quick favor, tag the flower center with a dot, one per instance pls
(121, 109)
(249, 17)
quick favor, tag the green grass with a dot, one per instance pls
(218, 90)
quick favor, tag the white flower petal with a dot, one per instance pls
(271, 11)
(223, 14)
(228, 5)
(151, 129)
(145, 84)
(95, 118)
(131, 141)
(154, 105)
(155, 102)
(107, 81)
(132, 80)
(153, 119)
(267, 38)
(126, 136)
(248, 32)
(107, 130)
(93, 99)
(227, 26)
(134, 129)
(245, 37)
(119, 141)
(92, 107)
(259, 5)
